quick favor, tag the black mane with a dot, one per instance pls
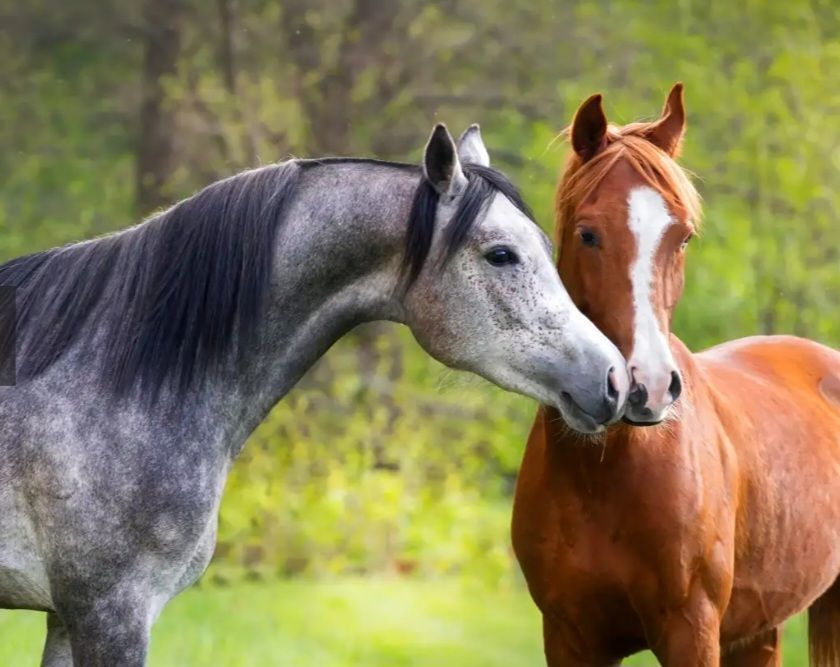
(174, 289)
(175, 294)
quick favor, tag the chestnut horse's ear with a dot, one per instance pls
(668, 131)
(589, 128)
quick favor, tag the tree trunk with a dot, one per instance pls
(156, 161)
(329, 104)
(227, 57)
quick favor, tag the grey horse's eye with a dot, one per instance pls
(500, 256)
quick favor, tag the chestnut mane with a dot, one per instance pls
(630, 142)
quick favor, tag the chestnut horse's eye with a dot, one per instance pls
(684, 244)
(589, 238)
(500, 256)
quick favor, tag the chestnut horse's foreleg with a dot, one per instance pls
(563, 650)
(762, 651)
(689, 636)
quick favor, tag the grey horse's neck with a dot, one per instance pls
(337, 265)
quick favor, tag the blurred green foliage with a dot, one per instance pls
(381, 460)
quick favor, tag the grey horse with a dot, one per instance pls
(145, 359)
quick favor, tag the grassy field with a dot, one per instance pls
(343, 623)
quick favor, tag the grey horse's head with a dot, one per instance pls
(493, 303)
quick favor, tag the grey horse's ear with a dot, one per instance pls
(471, 147)
(441, 165)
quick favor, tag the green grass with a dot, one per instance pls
(378, 622)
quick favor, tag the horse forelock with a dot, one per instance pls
(483, 183)
(580, 178)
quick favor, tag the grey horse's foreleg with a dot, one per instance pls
(57, 651)
(114, 633)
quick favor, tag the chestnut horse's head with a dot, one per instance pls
(625, 213)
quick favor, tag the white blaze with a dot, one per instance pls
(649, 218)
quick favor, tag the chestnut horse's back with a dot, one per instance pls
(810, 368)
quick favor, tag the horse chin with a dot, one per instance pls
(576, 419)
(647, 420)
(629, 421)
(512, 380)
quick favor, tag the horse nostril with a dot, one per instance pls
(638, 396)
(610, 403)
(612, 389)
(675, 387)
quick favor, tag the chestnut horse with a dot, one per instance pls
(697, 526)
